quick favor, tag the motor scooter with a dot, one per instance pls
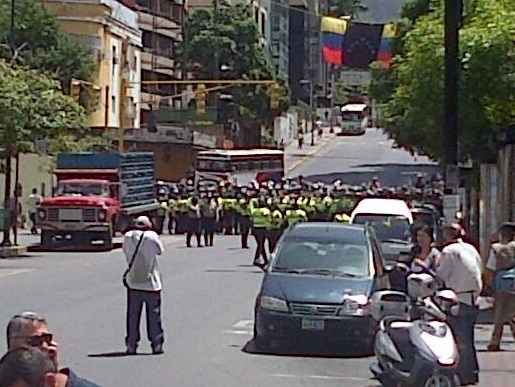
(414, 345)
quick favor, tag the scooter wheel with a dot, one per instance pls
(440, 380)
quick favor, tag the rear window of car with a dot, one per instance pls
(305, 254)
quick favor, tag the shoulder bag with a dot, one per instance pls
(131, 263)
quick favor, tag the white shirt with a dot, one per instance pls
(460, 268)
(144, 274)
(33, 202)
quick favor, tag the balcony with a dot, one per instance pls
(160, 25)
(151, 61)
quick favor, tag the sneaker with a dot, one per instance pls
(130, 351)
(157, 349)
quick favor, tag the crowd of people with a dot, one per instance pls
(263, 210)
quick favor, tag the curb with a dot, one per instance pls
(13, 252)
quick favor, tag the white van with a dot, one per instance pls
(391, 220)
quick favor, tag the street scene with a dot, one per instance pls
(257, 193)
(207, 303)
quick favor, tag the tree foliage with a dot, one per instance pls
(33, 106)
(412, 90)
(37, 42)
(231, 42)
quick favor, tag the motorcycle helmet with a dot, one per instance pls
(421, 285)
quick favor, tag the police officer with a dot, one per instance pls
(275, 227)
(261, 217)
(193, 224)
(244, 210)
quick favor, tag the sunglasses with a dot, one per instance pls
(39, 340)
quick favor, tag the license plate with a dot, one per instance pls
(313, 324)
(70, 214)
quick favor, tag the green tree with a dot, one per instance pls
(412, 90)
(232, 41)
(37, 42)
(33, 105)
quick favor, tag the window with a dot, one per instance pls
(113, 103)
(164, 8)
(146, 4)
(262, 25)
(177, 13)
(114, 60)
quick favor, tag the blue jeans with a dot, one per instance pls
(463, 328)
(135, 301)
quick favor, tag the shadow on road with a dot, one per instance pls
(388, 174)
(69, 249)
(118, 354)
(312, 349)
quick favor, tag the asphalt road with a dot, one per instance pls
(357, 159)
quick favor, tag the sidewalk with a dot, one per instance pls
(294, 156)
(496, 368)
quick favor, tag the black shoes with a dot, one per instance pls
(157, 349)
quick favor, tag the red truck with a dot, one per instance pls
(97, 195)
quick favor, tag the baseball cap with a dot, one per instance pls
(143, 222)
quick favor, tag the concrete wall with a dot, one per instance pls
(34, 173)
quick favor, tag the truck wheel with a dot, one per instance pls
(46, 238)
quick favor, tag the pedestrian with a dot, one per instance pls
(29, 329)
(460, 269)
(32, 203)
(501, 257)
(209, 214)
(275, 227)
(300, 139)
(193, 226)
(29, 367)
(142, 279)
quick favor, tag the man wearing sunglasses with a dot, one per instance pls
(30, 330)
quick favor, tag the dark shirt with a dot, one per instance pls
(75, 381)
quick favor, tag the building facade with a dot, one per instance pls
(161, 23)
(111, 30)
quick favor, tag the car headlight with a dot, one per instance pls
(273, 303)
(41, 214)
(355, 305)
(102, 214)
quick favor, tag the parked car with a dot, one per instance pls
(391, 220)
(318, 286)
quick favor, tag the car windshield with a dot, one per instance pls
(82, 189)
(322, 257)
(388, 228)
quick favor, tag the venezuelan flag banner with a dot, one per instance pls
(385, 46)
(333, 34)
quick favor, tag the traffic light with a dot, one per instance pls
(75, 89)
(96, 94)
(275, 96)
(200, 99)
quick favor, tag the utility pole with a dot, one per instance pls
(451, 126)
(215, 28)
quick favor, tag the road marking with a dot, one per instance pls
(242, 327)
(320, 377)
(11, 272)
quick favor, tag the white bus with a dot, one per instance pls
(355, 118)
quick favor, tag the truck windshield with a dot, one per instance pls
(82, 189)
